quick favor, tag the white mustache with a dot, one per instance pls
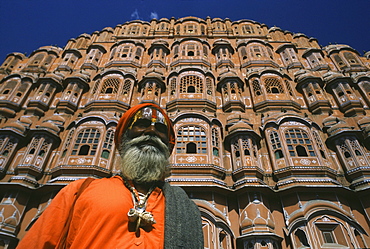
(142, 141)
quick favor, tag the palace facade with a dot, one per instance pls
(273, 130)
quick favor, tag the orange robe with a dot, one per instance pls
(99, 220)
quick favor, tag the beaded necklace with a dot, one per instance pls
(138, 214)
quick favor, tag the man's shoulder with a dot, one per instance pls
(75, 185)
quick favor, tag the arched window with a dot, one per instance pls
(126, 88)
(299, 143)
(276, 145)
(67, 143)
(215, 142)
(191, 139)
(87, 142)
(256, 87)
(107, 146)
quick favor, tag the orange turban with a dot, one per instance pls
(126, 118)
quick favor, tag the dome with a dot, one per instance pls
(16, 126)
(257, 217)
(50, 127)
(240, 126)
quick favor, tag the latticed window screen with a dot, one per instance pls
(107, 146)
(366, 87)
(215, 142)
(276, 145)
(173, 86)
(6, 146)
(256, 87)
(2, 141)
(243, 52)
(23, 87)
(225, 90)
(350, 57)
(87, 142)
(256, 51)
(192, 84)
(288, 87)
(44, 148)
(126, 87)
(209, 86)
(191, 139)
(176, 50)
(37, 59)
(110, 86)
(246, 147)
(236, 148)
(338, 60)
(95, 89)
(234, 88)
(10, 85)
(319, 143)
(299, 143)
(273, 85)
(34, 145)
(138, 53)
(247, 29)
(205, 51)
(68, 142)
(356, 147)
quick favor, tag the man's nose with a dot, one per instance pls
(151, 130)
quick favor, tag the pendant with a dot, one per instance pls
(141, 217)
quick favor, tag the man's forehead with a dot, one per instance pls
(149, 113)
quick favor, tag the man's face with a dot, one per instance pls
(144, 149)
(149, 121)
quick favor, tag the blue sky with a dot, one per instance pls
(26, 25)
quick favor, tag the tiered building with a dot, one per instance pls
(273, 130)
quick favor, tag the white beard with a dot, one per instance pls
(141, 161)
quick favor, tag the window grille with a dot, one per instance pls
(289, 87)
(193, 135)
(338, 60)
(126, 87)
(87, 142)
(215, 142)
(243, 52)
(299, 143)
(68, 142)
(247, 29)
(173, 86)
(256, 87)
(110, 86)
(350, 58)
(209, 86)
(107, 146)
(191, 82)
(273, 85)
(276, 145)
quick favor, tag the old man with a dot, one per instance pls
(135, 210)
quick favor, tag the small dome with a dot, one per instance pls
(17, 126)
(257, 217)
(49, 126)
(365, 121)
(240, 126)
(25, 120)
